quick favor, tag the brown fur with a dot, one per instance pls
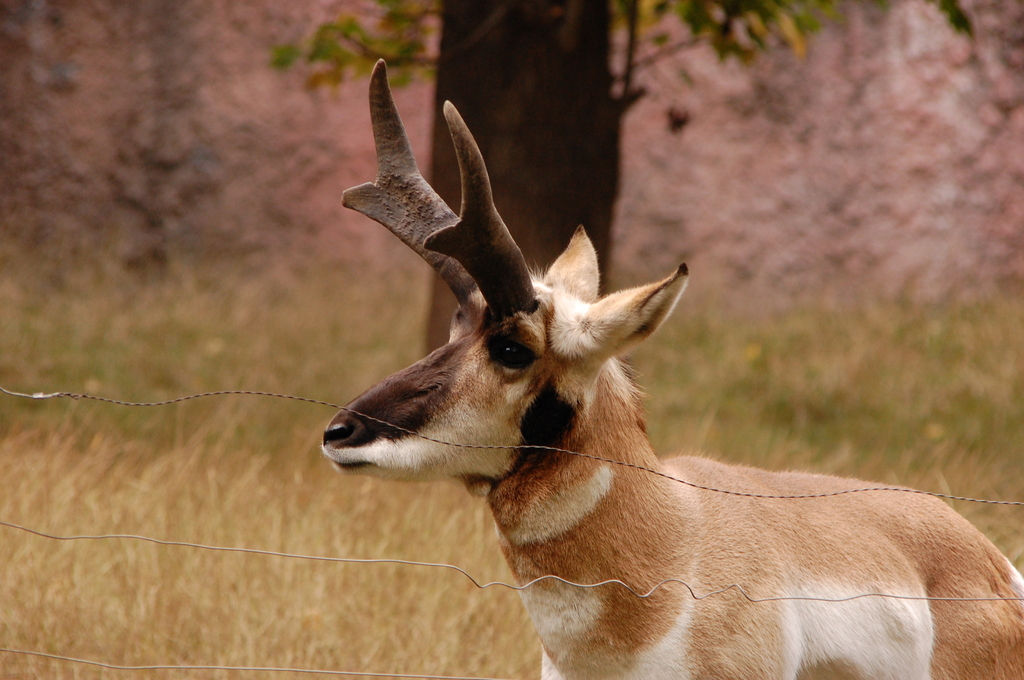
(648, 529)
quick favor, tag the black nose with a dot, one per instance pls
(339, 432)
(350, 430)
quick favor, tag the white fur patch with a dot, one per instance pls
(416, 458)
(573, 335)
(562, 510)
(562, 614)
(874, 637)
(1016, 582)
(547, 669)
(667, 659)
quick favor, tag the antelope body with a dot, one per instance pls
(533, 365)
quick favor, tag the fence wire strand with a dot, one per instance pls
(483, 585)
(553, 449)
(257, 669)
(738, 588)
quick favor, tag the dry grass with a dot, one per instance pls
(236, 471)
(928, 397)
(135, 603)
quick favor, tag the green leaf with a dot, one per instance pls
(956, 16)
(283, 56)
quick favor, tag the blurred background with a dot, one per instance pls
(881, 159)
(845, 182)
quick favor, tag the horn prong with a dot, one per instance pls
(480, 240)
(394, 151)
(400, 198)
(477, 199)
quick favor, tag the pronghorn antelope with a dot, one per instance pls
(533, 362)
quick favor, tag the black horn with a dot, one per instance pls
(480, 241)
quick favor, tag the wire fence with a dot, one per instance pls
(643, 594)
(251, 669)
(553, 449)
(694, 593)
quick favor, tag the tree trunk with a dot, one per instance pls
(532, 80)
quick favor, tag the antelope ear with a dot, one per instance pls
(575, 270)
(617, 322)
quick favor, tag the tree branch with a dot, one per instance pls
(627, 75)
(479, 33)
(666, 51)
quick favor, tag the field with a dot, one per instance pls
(929, 397)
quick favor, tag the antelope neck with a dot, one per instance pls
(575, 517)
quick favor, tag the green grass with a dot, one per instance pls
(930, 397)
(322, 334)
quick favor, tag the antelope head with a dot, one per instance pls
(525, 351)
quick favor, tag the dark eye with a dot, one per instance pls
(510, 353)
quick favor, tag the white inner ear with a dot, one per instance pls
(573, 333)
(613, 325)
